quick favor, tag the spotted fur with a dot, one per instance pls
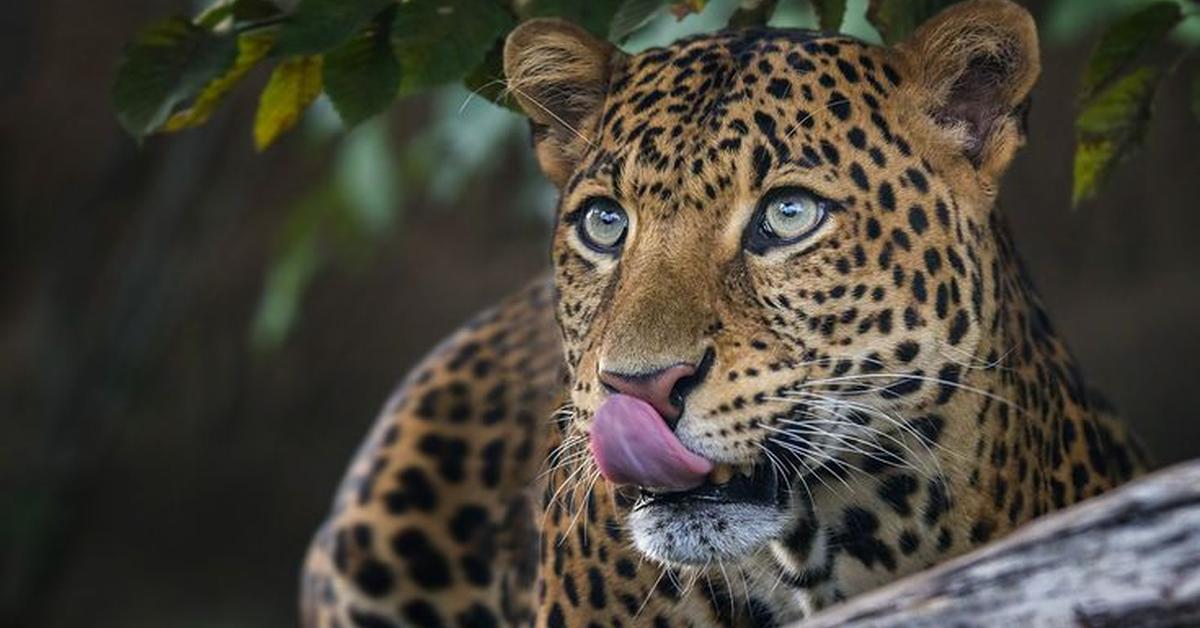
(895, 366)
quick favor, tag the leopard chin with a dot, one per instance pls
(731, 516)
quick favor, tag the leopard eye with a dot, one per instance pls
(785, 216)
(603, 225)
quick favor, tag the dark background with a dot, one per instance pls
(157, 470)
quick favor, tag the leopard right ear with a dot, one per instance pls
(559, 73)
(975, 64)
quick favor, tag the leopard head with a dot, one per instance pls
(768, 244)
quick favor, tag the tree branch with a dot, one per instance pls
(1129, 558)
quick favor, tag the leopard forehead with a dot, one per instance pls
(714, 119)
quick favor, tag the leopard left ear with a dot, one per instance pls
(559, 74)
(974, 65)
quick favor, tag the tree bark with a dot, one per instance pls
(1128, 558)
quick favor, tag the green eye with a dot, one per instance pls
(791, 215)
(603, 225)
(785, 216)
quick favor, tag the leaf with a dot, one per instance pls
(362, 76)
(1111, 127)
(167, 64)
(441, 41)
(1124, 41)
(252, 48)
(631, 16)
(320, 25)
(594, 15)
(830, 14)
(1092, 161)
(1124, 105)
(896, 19)
(752, 13)
(294, 85)
(239, 10)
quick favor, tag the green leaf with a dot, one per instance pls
(1123, 105)
(441, 41)
(252, 48)
(294, 85)
(752, 13)
(594, 15)
(1124, 41)
(1111, 127)
(239, 10)
(320, 25)
(896, 19)
(167, 64)
(631, 16)
(362, 76)
(830, 14)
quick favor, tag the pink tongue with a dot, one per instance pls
(633, 445)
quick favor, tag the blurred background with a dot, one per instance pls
(195, 336)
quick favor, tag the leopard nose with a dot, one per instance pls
(664, 388)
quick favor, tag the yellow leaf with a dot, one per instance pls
(294, 85)
(1093, 160)
(251, 49)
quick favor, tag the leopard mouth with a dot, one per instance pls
(733, 513)
(756, 484)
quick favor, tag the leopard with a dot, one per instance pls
(787, 352)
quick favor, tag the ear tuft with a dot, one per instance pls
(975, 64)
(559, 74)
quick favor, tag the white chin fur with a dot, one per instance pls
(697, 533)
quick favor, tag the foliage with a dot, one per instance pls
(364, 55)
(362, 75)
(294, 85)
(1118, 92)
(895, 19)
(168, 63)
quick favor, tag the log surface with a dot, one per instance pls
(1128, 558)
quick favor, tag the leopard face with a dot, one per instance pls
(778, 240)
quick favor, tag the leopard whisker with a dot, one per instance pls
(583, 504)
(898, 422)
(923, 378)
(846, 443)
(728, 586)
(650, 593)
(828, 105)
(510, 87)
(801, 453)
(901, 424)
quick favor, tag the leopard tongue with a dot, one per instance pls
(633, 445)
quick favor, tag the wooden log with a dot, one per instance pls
(1128, 558)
